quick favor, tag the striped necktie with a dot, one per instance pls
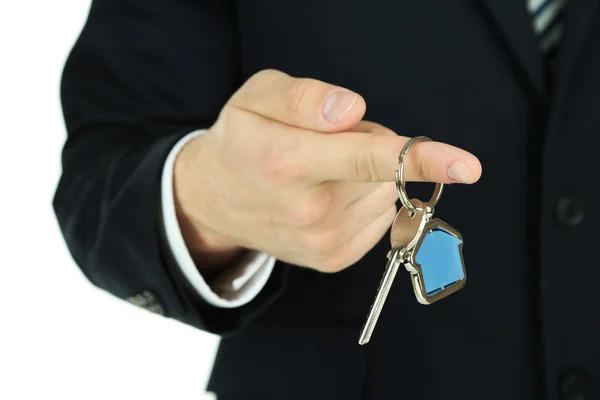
(547, 24)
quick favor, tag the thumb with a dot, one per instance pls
(301, 102)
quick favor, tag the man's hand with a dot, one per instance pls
(290, 169)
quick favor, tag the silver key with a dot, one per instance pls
(382, 292)
(403, 230)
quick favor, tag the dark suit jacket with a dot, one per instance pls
(144, 73)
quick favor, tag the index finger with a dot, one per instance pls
(365, 157)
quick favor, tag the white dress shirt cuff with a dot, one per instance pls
(235, 286)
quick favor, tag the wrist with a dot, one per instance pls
(209, 249)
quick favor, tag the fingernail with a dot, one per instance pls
(338, 104)
(460, 173)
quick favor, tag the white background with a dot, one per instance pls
(60, 338)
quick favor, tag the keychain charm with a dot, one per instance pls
(433, 256)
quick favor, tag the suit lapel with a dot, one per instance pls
(578, 20)
(515, 26)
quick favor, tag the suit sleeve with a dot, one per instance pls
(141, 76)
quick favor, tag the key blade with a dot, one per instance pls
(382, 292)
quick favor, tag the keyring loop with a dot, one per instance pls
(401, 185)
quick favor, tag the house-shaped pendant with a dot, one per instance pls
(435, 261)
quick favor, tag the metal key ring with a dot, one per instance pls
(401, 185)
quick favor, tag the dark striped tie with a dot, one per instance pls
(547, 24)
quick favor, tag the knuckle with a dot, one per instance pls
(310, 212)
(265, 74)
(278, 167)
(366, 166)
(255, 85)
(422, 169)
(282, 161)
(297, 94)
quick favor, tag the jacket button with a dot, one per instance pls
(574, 386)
(569, 211)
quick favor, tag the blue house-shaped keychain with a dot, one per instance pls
(436, 262)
